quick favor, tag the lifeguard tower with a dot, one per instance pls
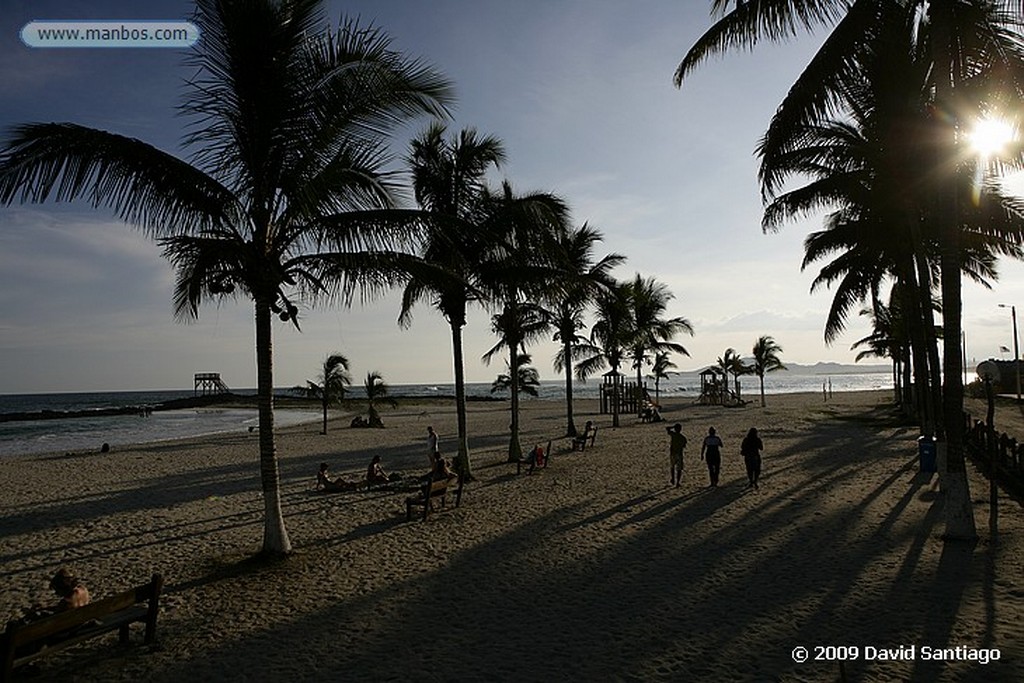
(209, 384)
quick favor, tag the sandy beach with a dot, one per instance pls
(594, 568)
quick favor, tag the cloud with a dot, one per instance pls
(73, 249)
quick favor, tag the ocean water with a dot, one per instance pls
(89, 433)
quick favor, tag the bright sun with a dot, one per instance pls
(990, 136)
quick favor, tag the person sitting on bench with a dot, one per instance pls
(73, 594)
(441, 471)
(580, 440)
(537, 456)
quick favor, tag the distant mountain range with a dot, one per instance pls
(821, 368)
(827, 368)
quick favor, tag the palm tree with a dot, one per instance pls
(730, 363)
(448, 179)
(290, 128)
(330, 389)
(581, 279)
(966, 40)
(527, 379)
(609, 337)
(660, 371)
(517, 326)
(868, 163)
(520, 268)
(888, 339)
(766, 359)
(652, 332)
(376, 395)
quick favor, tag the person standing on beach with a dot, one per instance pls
(432, 448)
(675, 452)
(751, 449)
(711, 453)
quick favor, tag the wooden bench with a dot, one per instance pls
(429, 492)
(579, 443)
(25, 642)
(545, 459)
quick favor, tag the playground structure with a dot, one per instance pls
(632, 398)
(715, 391)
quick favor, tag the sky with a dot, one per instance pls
(581, 93)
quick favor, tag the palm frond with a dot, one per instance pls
(753, 20)
(145, 187)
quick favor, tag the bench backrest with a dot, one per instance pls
(63, 621)
(437, 488)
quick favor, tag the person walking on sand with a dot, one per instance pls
(751, 449)
(675, 452)
(432, 447)
(711, 453)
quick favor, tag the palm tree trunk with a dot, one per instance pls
(275, 535)
(932, 343)
(918, 349)
(616, 395)
(515, 450)
(462, 465)
(570, 426)
(760, 377)
(324, 402)
(908, 381)
(927, 324)
(959, 513)
(896, 388)
(935, 366)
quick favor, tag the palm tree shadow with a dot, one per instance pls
(222, 569)
(951, 579)
(374, 528)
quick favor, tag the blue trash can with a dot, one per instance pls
(926, 453)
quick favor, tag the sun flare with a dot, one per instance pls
(990, 136)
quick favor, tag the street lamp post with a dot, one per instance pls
(1016, 346)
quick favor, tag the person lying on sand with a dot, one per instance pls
(324, 481)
